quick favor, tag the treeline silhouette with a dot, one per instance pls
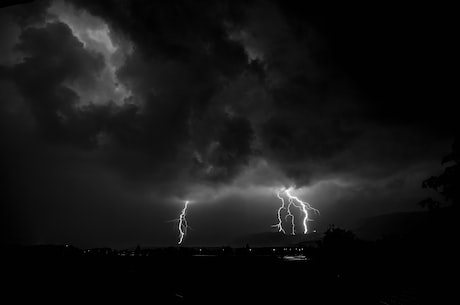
(448, 182)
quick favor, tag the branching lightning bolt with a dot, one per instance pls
(183, 226)
(279, 225)
(303, 206)
(289, 214)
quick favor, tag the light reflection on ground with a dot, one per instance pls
(295, 258)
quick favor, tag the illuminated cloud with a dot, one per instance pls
(97, 37)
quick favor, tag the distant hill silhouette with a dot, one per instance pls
(404, 224)
(274, 239)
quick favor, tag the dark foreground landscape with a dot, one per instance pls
(337, 269)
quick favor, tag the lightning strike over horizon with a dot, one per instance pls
(279, 225)
(303, 206)
(289, 214)
(183, 226)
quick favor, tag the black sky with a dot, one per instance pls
(114, 112)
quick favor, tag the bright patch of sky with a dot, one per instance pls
(96, 36)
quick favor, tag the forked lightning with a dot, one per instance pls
(303, 206)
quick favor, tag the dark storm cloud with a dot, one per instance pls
(183, 57)
(186, 72)
(396, 59)
(351, 92)
(231, 149)
(183, 97)
(174, 71)
(179, 29)
(41, 74)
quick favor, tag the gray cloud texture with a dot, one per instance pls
(174, 98)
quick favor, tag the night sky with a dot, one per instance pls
(113, 113)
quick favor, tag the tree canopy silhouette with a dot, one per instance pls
(338, 238)
(448, 183)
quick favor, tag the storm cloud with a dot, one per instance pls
(129, 107)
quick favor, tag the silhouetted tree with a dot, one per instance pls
(448, 183)
(338, 238)
(429, 203)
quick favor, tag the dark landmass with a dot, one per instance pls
(275, 239)
(335, 269)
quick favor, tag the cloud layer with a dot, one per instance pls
(194, 99)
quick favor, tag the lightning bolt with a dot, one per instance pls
(303, 206)
(289, 214)
(279, 225)
(183, 226)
